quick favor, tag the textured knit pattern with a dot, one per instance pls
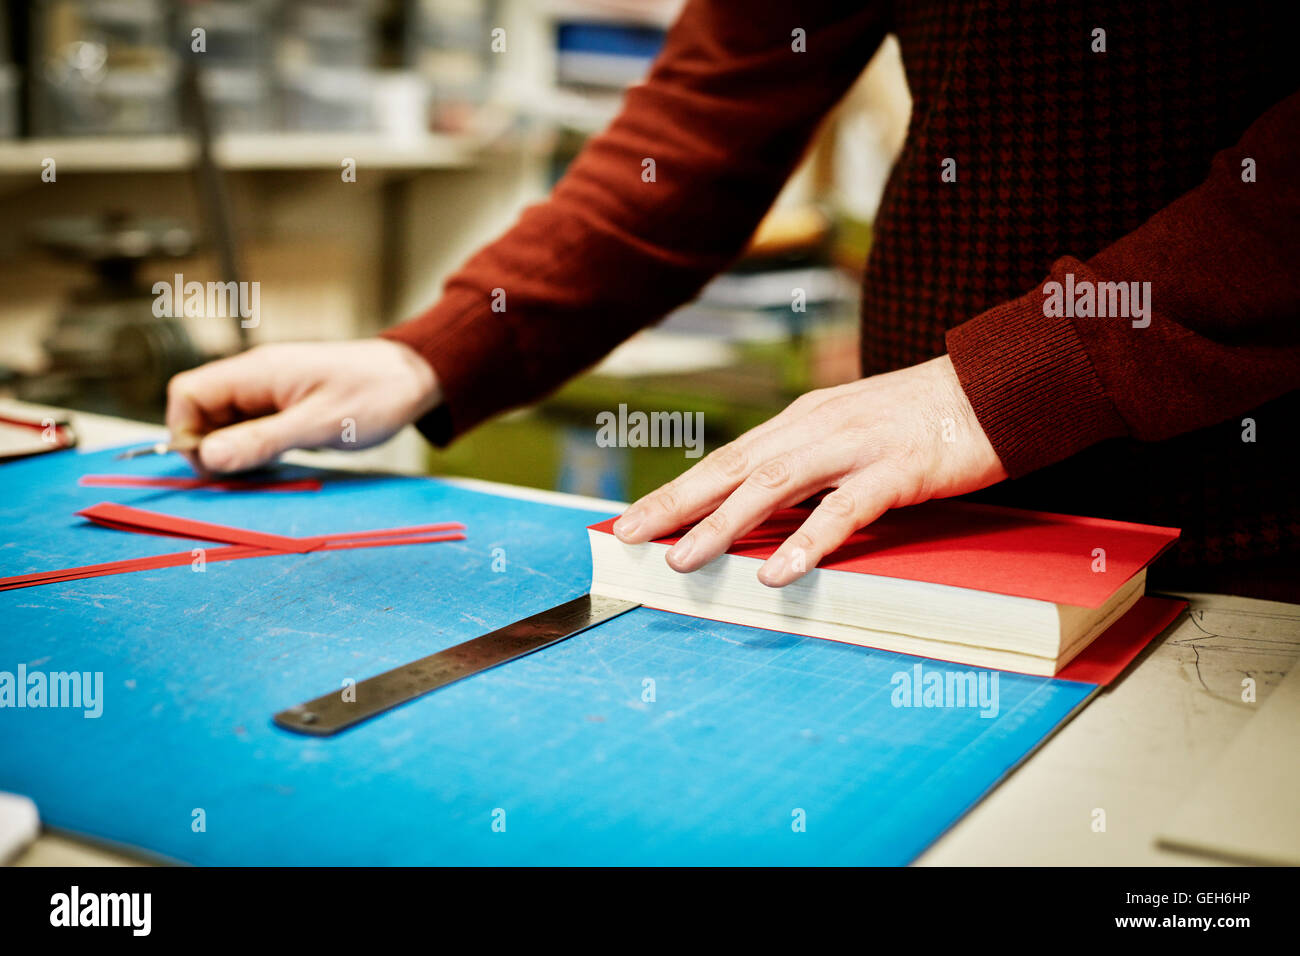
(1067, 160)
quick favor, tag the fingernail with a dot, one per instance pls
(627, 525)
(216, 453)
(772, 572)
(679, 552)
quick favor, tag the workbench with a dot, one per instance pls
(1134, 752)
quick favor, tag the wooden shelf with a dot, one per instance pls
(244, 151)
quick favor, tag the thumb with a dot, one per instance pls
(257, 441)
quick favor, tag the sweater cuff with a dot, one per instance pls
(439, 336)
(1031, 384)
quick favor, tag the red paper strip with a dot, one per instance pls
(181, 558)
(384, 543)
(140, 521)
(241, 543)
(150, 563)
(126, 518)
(225, 484)
(392, 532)
(137, 526)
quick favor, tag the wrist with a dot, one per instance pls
(983, 459)
(420, 387)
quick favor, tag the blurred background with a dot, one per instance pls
(141, 139)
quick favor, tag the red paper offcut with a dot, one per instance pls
(180, 558)
(220, 484)
(240, 543)
(126, 518)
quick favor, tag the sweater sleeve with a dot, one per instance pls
(650, 210)
(1219, 336)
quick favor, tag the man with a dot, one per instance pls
(1082, 280)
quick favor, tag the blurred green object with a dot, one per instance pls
(553, 446)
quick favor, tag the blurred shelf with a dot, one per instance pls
(655, 13)
(246, 151)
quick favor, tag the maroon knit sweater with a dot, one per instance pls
(1123, 165)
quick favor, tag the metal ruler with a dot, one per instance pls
(340, 709)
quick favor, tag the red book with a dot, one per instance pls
(970, 583)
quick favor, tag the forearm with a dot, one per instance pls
(1206, 327)
(649, 211)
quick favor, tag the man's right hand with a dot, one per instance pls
(249, 408)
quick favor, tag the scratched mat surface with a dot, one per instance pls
(652, 739)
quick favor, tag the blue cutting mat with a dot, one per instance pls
(749, 731)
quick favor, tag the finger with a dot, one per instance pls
(207, 398)
(686, 498)
(694, 494)
(185, 417)
(778, 483)
(219, 393)
(852, 506)
(257, 441)
(185, 421)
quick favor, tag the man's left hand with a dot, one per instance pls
(882, 442)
